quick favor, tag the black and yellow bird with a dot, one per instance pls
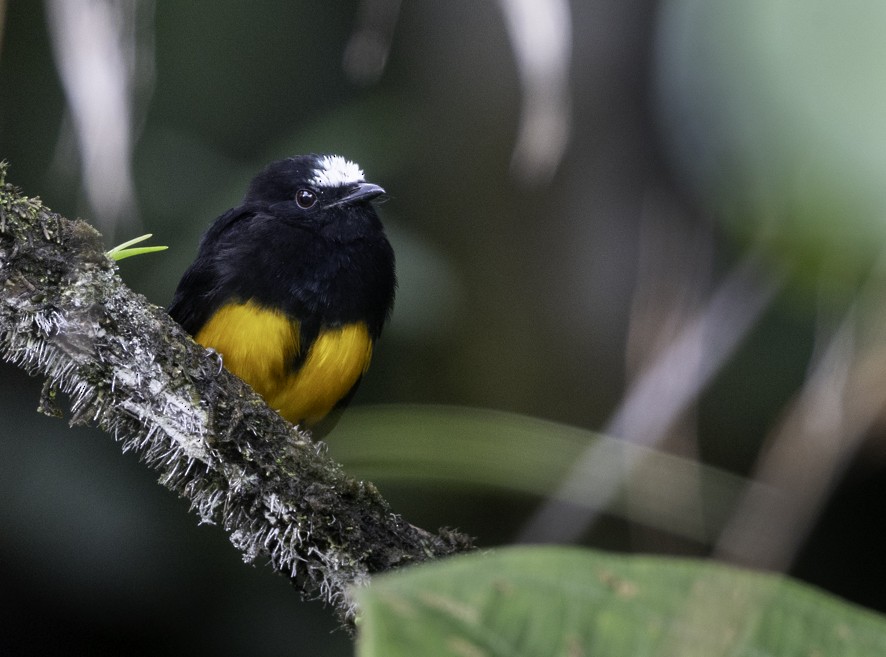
(293, 286)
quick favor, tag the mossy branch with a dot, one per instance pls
(129, 369)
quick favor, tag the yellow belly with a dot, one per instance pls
(259, 345)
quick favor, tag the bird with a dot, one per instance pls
(293, 286)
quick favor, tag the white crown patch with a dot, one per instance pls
(336, 171)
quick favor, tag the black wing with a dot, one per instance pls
(199, 293)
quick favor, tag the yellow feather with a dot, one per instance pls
(259, 345)
(337, 359)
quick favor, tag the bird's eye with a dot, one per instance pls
(305, 198)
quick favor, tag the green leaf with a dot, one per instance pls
(122, 251)
(793, 148)
(471, 447)
(530, 601)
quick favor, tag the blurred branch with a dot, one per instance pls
(130, 370)
(541, 36)
(660, 394)
(104, 54)
(366, 54)
(822, 430)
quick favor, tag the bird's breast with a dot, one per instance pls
(303, 382)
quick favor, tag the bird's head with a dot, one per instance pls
(314, 187)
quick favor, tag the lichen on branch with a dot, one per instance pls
(130, 370)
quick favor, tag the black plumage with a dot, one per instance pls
(305, 242)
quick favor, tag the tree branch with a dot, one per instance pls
(129, 369)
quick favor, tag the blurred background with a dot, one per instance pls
(641, 300)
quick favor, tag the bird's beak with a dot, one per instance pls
(360, 192)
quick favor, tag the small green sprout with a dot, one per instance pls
(123, 251)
